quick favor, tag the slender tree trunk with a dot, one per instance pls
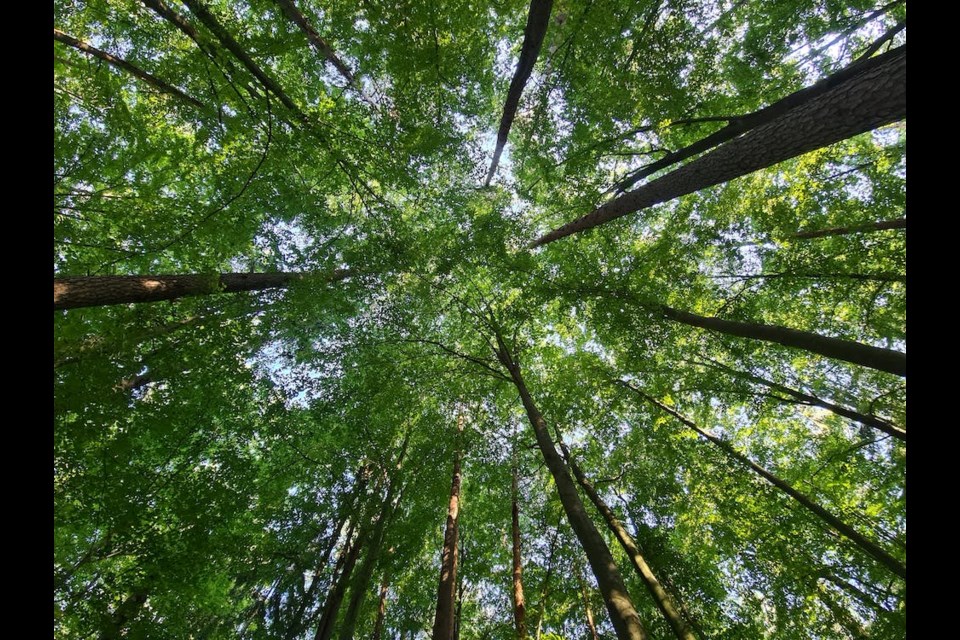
(585, 594)
(888, 360)
(331, 606)
(623, 615)
(443, 624)
(870, 98)
(869, 547)
(324, 49)
(381, 609)
(742, 124)
(804, 398)
(359, 589)
(545, 588)
(130, 68)
(93, 291)
(899, 223)
(519, 605)
(538, 19)
(661, 598)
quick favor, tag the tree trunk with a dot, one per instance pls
(545, 588)
(585, 594)
(660, 596)
(132, 69)
(93, 291)
(443, 624)
(519, 605)
(331, 606)
(623, 615)
(538, 19)
(888, 360)
(324, 49)
(381, 610)
(899, 223)
(870, 98)
(871, 548)
(804, 398)
(359, 589)
(753, 120)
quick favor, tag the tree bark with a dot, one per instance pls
(623, 615)
(661, 598)
(381, 610)
(331, 605)
(899, 223)
(742, 124)
(585, 594)
(538, 19)
(871, 548)
(519, 605)
(443, 624)
(130, 68)
(872, 97)
(93, 291)
(324, 49)
(888, 360)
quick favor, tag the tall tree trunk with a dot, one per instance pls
(538, 19)
(91, 291)
(545, 587)
(899, 223)
(519, 605)
(869, 420)
(130, 68)
(871, 548)
(871, 98)
(742, 124)
(661, 598)
(623, 615)
(331, 605)
(359, 589)
(585, 594)
(888, 360)
(381, 609)
(443, 624)
(324, 49)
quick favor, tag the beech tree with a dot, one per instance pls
(312, 380)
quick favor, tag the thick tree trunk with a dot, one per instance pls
(132, 69)
(888, 360)
(443, 624)
(324, 49)
(804, 398)
(538, 19)
(660, 596)
(870, 98)
(519, 605)
(623, 615)
(899, 223)
(742, 124)
(871, 548)
(94, 291)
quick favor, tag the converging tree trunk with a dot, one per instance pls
(888, 360)
(130, 68)
(883, 225)
(443, 624)
(93, 291)
(331, 605)
(381, 609)
(661, 598)
(324, 49)
(871, 548)
(870, 98)
(623, 615)
(588, 610)
(538, 19)
(519, 605)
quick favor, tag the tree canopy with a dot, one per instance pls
(592, 314)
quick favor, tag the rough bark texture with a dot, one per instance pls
(899, 223)
(869, 99)
(660, 596)
(623, 615)
(92, 291)
(519, 605)
(538, 19)
(324, 49)
(871, 548)
(888, 360)
(742, 124)
(443, 624)
(132, 69)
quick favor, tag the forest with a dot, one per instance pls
(534, 320)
